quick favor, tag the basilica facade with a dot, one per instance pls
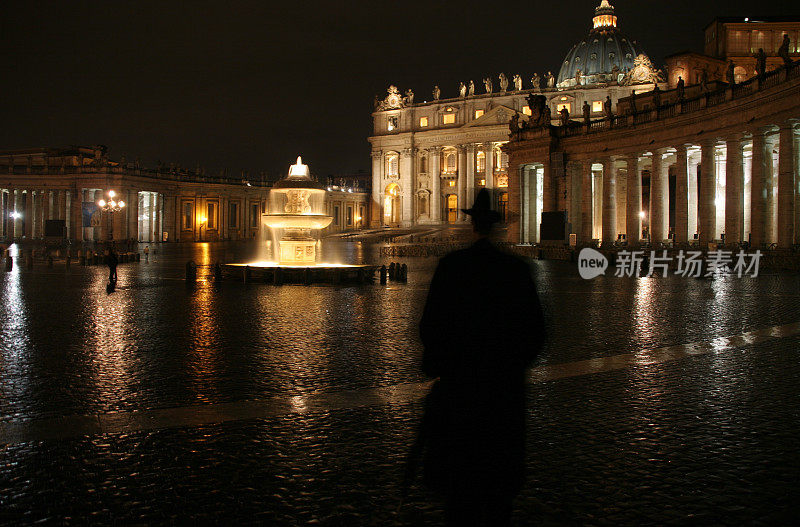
(429, 158)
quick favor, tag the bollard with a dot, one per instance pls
(30, 260)
(392, 271)
(138, 257)
(50, 262)
(246, 274)
(191, 271)
(217, 272)
(67, 261)
(9, 263)
(384, 274)
(404, 273)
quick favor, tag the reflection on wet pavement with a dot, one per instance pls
(649, 391)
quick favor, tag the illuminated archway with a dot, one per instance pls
(391, 204)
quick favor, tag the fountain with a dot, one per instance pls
(296, 208)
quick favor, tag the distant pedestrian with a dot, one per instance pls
(146, 253)
(481, 328)
(111, 262)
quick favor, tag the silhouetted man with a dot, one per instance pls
(112, 261)
(482, 327)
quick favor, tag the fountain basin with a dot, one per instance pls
(275, 273)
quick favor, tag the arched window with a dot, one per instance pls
(392, 164)
(480, 159)
(450, 162)
(739, 74)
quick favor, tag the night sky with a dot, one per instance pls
(250, 85)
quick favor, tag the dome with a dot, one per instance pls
(596, 55)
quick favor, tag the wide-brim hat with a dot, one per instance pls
(482, 210)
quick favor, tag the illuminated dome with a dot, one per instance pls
(597, 54)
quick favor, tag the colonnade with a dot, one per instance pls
(25, 211)
(739, 188)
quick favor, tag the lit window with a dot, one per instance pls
(392, 161)
(563, 105)
(479, 113)
(526, 110)
(391, 123)
(450, 162)
(483, 183)
(449, 118)
(481, 161)
(597, 106)
(452, 183)
(423, 122)
(564, 99)
(502, 181)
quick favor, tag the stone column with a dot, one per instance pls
(489, 165)
(407, 184)
(681, 195)
(376, 207)
(434, 169)
(609, 202)
(470, 194)
(694, 163)
(11, 229)
(462, 176)
(62, 205)
(76, 215)
(771, 183)
(587, 208)
(43, 213)
(708, 186)
(633, 222)
(659, 197)
(29, 214)
(160, 217)
(786, 186)
(151, 228)
(734, 191)
(524, 175)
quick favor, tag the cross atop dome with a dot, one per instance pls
(604, 16)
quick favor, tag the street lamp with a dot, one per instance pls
(110, 206)
(203, 220)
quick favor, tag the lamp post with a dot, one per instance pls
(110, 206)
(203, 221)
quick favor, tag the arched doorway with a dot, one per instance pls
(391, 205)
(452, 208)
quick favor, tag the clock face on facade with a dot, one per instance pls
(393, 100)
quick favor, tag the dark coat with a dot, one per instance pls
(481, 328)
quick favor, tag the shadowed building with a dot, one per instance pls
(163, 204)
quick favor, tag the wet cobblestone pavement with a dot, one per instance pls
(627, 426)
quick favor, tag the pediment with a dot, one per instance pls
(498, 115)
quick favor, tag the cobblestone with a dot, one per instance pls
(703, 436)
